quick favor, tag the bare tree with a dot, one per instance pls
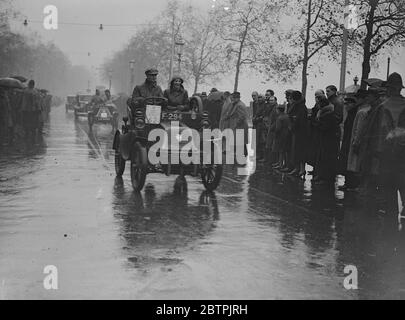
(242, 26)
(381, 26)
(204, 50)
(316, 29)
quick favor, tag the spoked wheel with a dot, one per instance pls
(211, 176)
(90, 121)
(180, 185)
(118, 160)
(139, 165)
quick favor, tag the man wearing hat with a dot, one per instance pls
(235, 116)
(351, 107)
(360, 121)
(386, 162)
(149, 88)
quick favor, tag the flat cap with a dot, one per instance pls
(151, 71)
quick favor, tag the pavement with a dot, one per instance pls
(260, 236)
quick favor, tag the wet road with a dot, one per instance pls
(263, 236)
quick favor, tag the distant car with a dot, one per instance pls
(70, 102)
(103, 113)
(82, 108)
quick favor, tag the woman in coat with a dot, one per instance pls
(176, 95)
(351, 106)
(299, 128)
(235, 116)
(329, 143)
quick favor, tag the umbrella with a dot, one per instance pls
(21, 78)
(10, 83)
(373, 82)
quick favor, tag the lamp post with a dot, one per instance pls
(179, 45)
(110, 71)
(344, 48)
(356, 80)
(131, 68)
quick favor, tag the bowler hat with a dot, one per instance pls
(236, 94)
(394, 80)
(373, 82)
(151, 71)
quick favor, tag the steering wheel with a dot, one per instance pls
(159, 101)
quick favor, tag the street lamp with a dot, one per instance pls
(131, 68)
(110, 77)
(179, 45)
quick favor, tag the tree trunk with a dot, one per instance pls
(238, 62)
(306, 50)
(196, 84)
(235, 87)
(366, 68)
(304, 77)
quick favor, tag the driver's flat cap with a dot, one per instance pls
(151, 71)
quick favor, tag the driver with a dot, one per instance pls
(149, 88)
(95, 102)
(109, 101)
(176, 95)
(96, 99)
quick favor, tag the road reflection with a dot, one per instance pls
(157, 228)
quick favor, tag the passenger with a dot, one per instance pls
(176, 95)
(108, 97)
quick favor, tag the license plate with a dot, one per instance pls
(172, 116)
(103, 115)
(152, 114)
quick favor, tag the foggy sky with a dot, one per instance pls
(78, 41)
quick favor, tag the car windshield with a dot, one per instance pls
(71, 99)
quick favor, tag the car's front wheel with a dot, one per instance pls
(90, 120)
(211, 176)
(118, 160)
(139, 166)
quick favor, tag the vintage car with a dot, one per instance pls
(132, 143)
(105, 113)
(82, 105)
(70, 103)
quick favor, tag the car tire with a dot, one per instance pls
(211, 176)
(139, 166)
(180, 185)
(119, 162)
(90, 120)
